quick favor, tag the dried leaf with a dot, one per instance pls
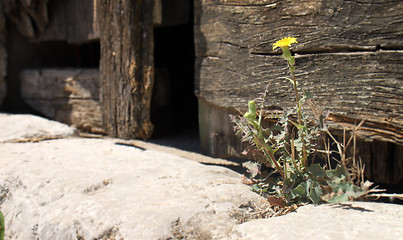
(276, 201)
(252, 167)
(246, 180)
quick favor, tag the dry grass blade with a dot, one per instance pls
(391, 196)
(260, 210)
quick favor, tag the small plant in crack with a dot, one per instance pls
(2, 226)
(291, 145)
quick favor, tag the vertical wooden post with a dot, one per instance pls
(126, 66)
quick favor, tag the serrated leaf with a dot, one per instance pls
(340, 171)
(315, 194)
(346, 187)
(339, 199)
(337, 173)
(317, 170)
(300, 190)
(358, 194)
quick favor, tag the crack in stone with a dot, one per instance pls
(334, 49)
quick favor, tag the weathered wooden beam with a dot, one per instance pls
(29, 17)
(319, 25)
(352, 86)
(127, 67)
(349, 56)
(171, 12)
(74, 21)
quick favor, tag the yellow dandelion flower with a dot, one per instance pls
(284, 42)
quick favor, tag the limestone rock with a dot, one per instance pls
(70, 96)
(78, 188)
(23, 127)
(92, 188)
(353, 220)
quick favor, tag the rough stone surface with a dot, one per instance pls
(78, 188)
(354, 220)
(20, 127)
(68, 95)
(66, 188)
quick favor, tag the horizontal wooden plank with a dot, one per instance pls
(319, 25)
(358, 85)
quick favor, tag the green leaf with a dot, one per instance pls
(346, 187)
(251, 114)
(358, 194)
(288, 185)
(339, 199)
(300, 190)
(258, 189)
(252, 106)
(337, 173)
(317, 170)
(315, 194)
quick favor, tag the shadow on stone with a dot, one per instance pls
(351, 207)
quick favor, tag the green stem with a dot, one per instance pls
(2, 226)
(304, 156)
(293, 155)
(262, 144)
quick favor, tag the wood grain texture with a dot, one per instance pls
(73, 21)
(319, 25)
(349, 55)
(29, 17)
(126, 67)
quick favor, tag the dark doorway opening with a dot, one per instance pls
(174, 107)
